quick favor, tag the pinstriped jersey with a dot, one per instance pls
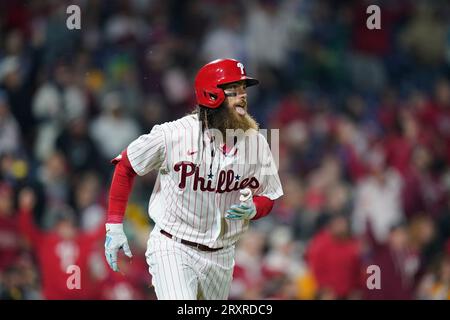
(199, 179)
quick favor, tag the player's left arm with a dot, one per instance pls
(260, 203)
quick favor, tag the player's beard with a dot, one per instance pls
(225, 117)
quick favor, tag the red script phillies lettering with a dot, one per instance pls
(225, 182)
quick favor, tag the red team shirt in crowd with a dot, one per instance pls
(55, 255)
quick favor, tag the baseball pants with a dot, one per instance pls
(182, 272)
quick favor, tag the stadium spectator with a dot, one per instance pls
(378, 198)
(9, 128)
(112, 130)
(398, 262)
(10, 241)
(435, 284)
(333, 256)
(57, 250)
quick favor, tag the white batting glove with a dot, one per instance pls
(245, 210)
(115, 240)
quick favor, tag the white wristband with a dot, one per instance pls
(114, 227)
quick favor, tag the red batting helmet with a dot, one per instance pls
(214, 74)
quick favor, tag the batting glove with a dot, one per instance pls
(246, 210)
(115, 240)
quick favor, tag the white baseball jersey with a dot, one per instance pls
(198, 181)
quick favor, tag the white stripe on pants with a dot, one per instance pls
(181, 272)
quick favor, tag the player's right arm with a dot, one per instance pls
(142, 155)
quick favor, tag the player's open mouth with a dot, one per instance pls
(240, 108)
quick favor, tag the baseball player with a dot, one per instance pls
(207, 190)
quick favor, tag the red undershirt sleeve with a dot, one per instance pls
(263, 206)
(121, 186)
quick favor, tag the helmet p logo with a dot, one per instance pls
(241, 66)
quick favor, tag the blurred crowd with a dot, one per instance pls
(364, 119)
